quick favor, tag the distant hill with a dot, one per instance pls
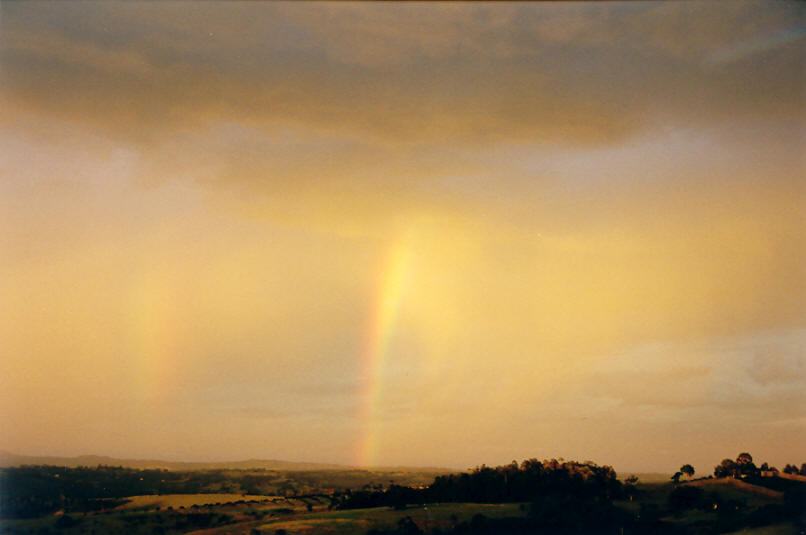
(647, 477)
(8, 459)
(724, 482)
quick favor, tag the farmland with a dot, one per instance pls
(533, 497)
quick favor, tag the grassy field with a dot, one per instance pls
(359, 521)
(727, 488)
(695, 520)
(733, 489)
(168, 515)
(235, 514)
(189, 500)
(241, 514)
(778, 529)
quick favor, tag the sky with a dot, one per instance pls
(417, 234)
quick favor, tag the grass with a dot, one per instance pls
(175, 516)
(267, 514)
(777, 529)
(361, 520)
(731, 489)
(654, 493)
(696, 520)
(187, 500)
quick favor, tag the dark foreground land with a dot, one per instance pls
(534, 497)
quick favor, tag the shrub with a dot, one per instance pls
(686, 497)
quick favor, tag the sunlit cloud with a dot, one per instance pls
(402, 227)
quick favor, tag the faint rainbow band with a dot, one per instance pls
(388, 295)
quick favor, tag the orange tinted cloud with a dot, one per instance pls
(606, 233)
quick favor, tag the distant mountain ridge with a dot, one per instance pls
(8, 460)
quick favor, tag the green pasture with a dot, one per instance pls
(359, 521)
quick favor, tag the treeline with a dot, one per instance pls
(792, 469)
(32, 491)
(530, 480)
(728, 514)
(744, 467)
(566, 497)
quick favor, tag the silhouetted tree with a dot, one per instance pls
(688, 470)
(509, 483)
(790, 469)
(629, 486)
(745, 465)
(727, 468)
(676, 477)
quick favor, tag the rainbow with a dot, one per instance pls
(388, 295)
(154, 335)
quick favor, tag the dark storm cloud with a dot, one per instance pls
(408, 74)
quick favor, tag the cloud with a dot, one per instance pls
(259, 413)
(198, 200)
(439, 74)
(756, 378)
(333, 117)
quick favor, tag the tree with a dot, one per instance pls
(745, 466)
(727, 468)
(790, 469)
(676, 477)
(688, 470)
(629, 486)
